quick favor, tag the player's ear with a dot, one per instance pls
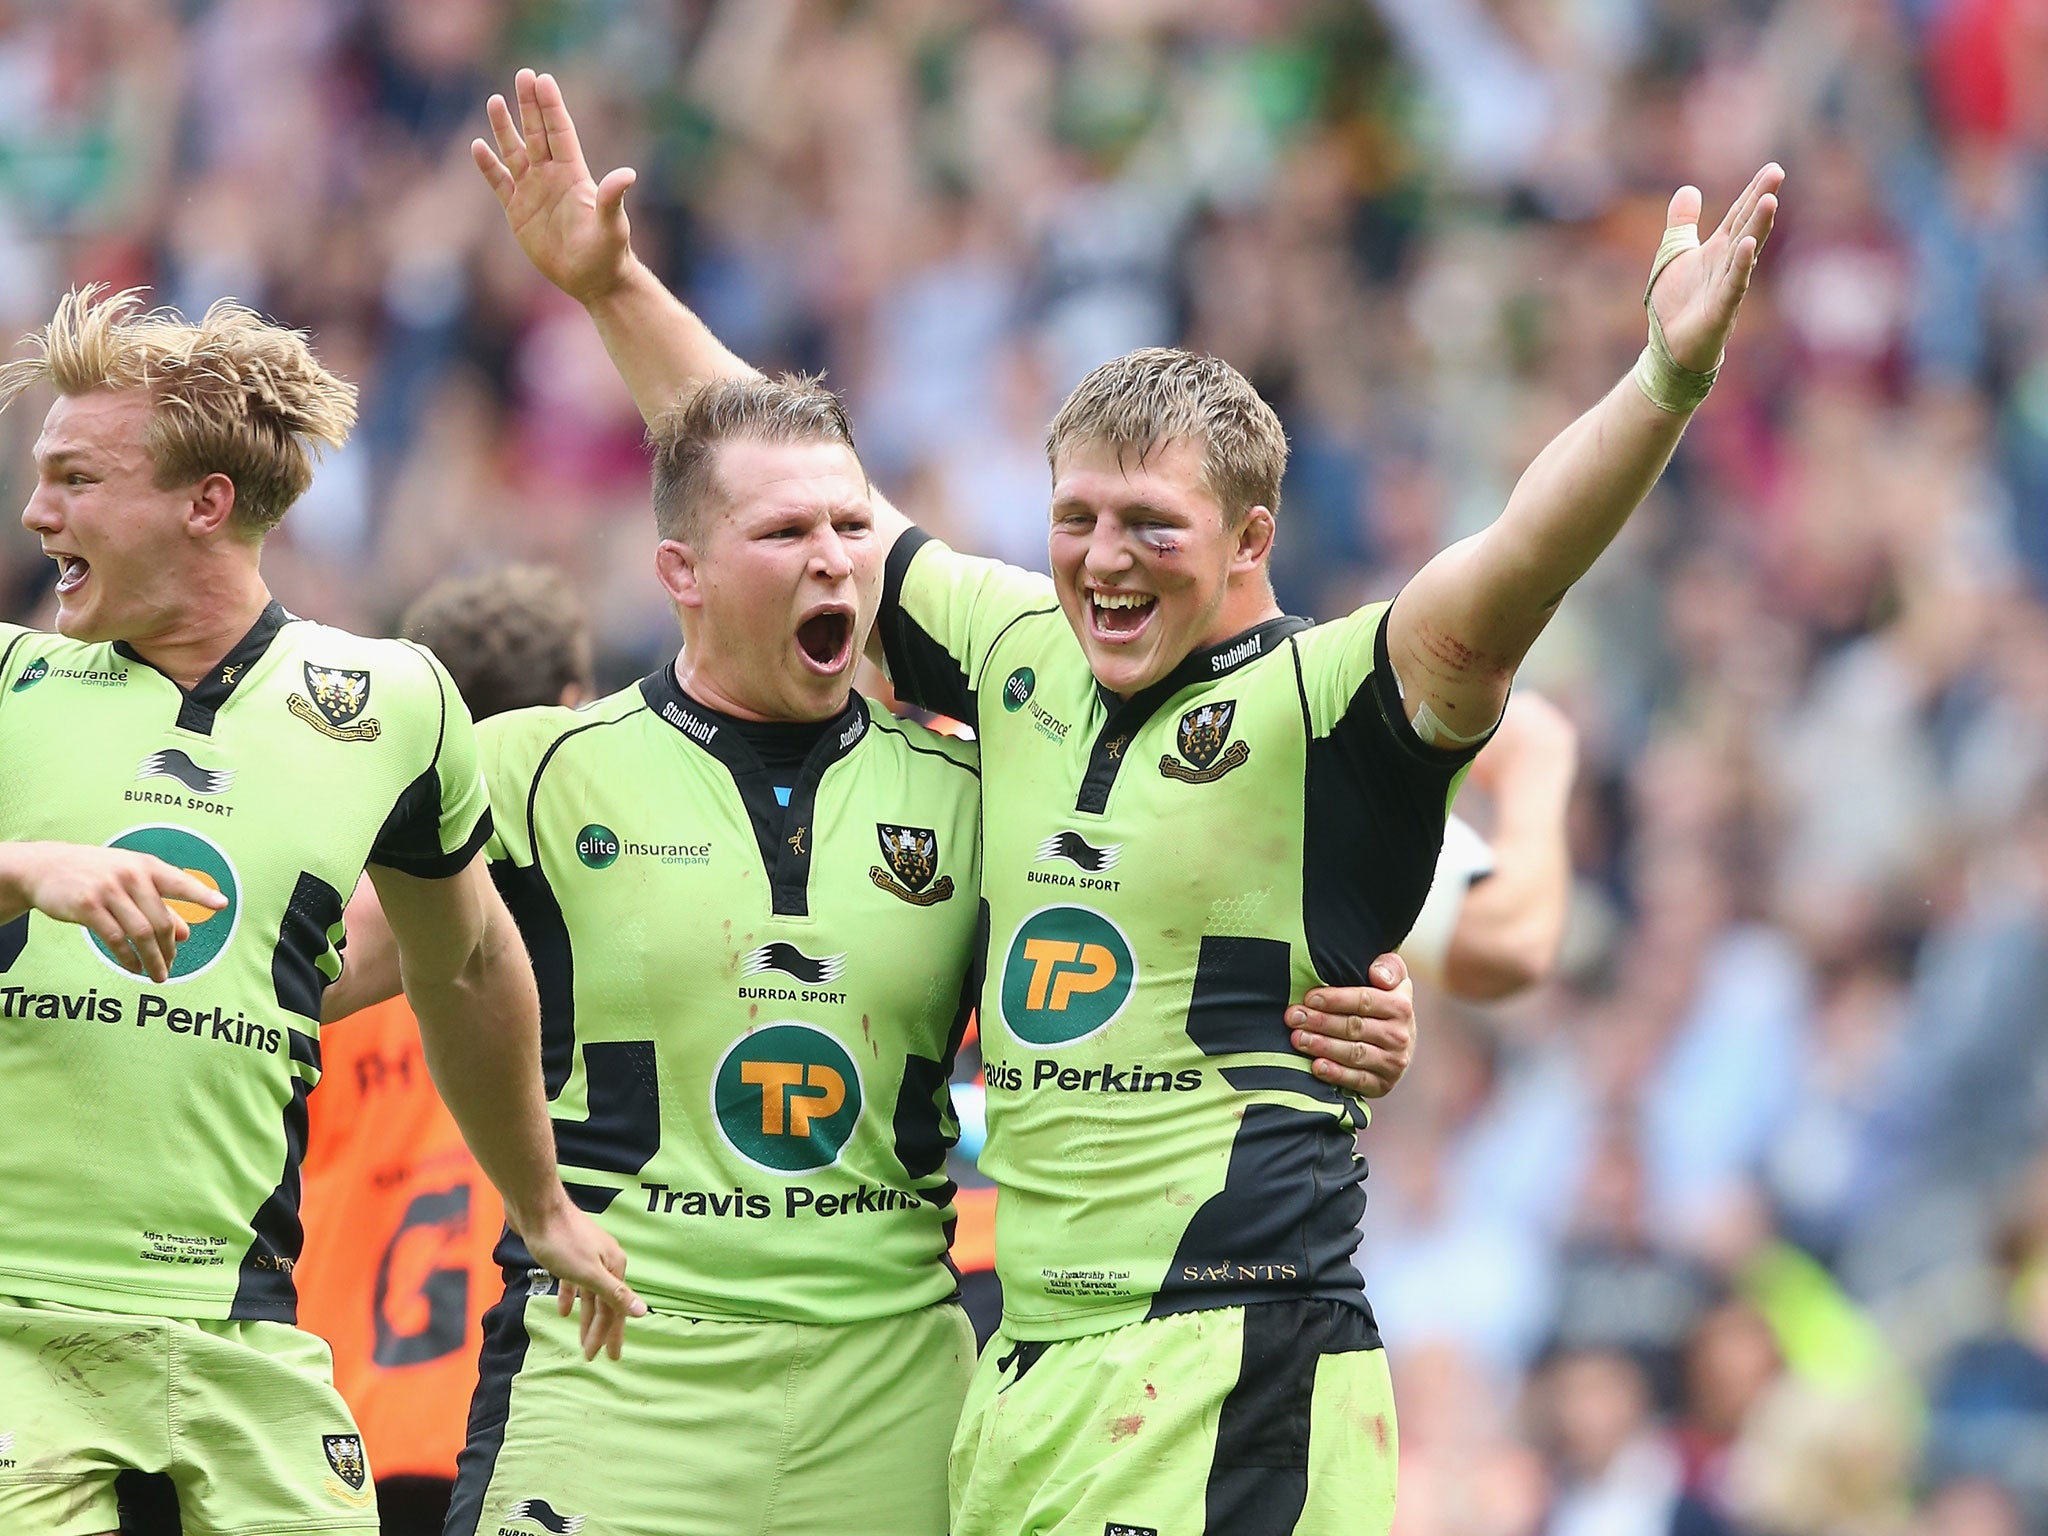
(675, 567)
(1254, 540)
(211, 506)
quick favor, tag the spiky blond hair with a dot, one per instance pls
(231, 395)
(1154, 396)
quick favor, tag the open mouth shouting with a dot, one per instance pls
(72, 571)
(824, 638)
(1118, 617)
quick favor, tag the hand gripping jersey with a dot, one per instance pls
(748, 1011)
(1164, 876)
(153, 1133)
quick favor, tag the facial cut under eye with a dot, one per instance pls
(1159, 537)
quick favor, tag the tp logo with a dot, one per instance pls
(1068, 973)
(787, 1098)
(204, 861)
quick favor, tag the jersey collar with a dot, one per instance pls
(1124, 718)
(207, 697)
(785, 833)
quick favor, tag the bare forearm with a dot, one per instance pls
(1566, 509)
(1512, 922)
(661, 349)
(481, 1033)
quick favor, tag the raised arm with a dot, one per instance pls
(1462, 626)
(467, 977)
(575, 232)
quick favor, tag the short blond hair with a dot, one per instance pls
(795, 408)
(231, 395)
(1154, 396)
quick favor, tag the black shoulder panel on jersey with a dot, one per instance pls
(923, 671)
(1284, 1224)
(1375, 806)
(295, 970)
(264, 1291)
(13, 940)
(538, 917)
(410, 839)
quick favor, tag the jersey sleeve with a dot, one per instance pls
(504, 744)
(1352, 693)
(1377, 795)
(442, 817)
(1466, 857)
(942, 614)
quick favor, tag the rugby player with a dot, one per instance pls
(194, 779)
(400, 1222)
(1186, 1344)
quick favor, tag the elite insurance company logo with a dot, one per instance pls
(1068, 973)
(205, 862)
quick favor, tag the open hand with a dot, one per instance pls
(1359, 1038)
(573, 229)
(1698, 293)
(591, 1268)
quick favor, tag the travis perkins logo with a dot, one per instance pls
(793, 962)
(913, 855)
(539, 1512)
(173, 764)
(340, 694)
(1079, 852)
(1203, 731)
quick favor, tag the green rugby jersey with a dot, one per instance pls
(152, 1138)
(1164, 876)
(748, 1011)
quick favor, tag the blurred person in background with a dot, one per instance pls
(400, 1223)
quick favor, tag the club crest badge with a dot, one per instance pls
(345, 1456)
(913, 855)
(334, 701)
(1205, 743)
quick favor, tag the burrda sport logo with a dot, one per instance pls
(204, 861)
(787, 1098)
(1067, 975)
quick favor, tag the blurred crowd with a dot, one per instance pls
(1741, 1225)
